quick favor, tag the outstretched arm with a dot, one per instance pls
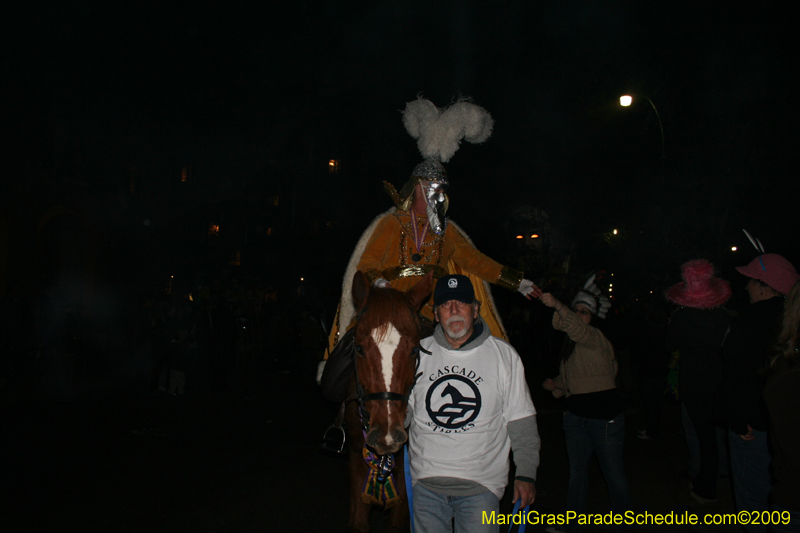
(551, 301)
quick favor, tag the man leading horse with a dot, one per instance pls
(470, 406)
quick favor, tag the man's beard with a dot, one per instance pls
(455, 334)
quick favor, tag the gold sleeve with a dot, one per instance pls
(509, 278)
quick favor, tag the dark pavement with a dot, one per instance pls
(245, 459)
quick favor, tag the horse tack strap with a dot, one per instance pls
(396, 396)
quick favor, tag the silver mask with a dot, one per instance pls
(436, 201)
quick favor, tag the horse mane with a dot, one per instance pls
(385, 307)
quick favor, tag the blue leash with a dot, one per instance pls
(524, 512)
(409, 491)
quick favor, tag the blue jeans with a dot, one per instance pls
(436, 513)
(792, 527)
(605, 439)
(750, 474)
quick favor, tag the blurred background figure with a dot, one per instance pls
(650, 360)
(782, 395)
(697, 330)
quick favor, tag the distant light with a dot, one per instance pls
(625, 100)
(301, 279)
(610, 289)
(190, 297)
(612, 273)
(733, 248)
(171, 277)
(615, 232)
(651, 292)
(610, 284)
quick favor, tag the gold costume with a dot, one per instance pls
(390, 253)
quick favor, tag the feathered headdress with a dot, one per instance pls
(439, 133)
(591, 296)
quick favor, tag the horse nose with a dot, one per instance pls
(400, 436)
(386, 442)
(372, 438)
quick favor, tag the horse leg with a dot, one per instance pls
(357, 469)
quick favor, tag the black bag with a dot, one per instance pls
(339, 368)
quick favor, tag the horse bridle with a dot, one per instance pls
(362, 397)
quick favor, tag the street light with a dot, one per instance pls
(627, 100)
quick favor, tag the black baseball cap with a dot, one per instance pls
(453, 287)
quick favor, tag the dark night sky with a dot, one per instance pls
(239, 88)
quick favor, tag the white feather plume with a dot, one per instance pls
(759, 247)
(439, 131)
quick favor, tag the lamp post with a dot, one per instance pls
(627, 100)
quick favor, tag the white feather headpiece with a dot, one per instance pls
(592, 297)
(439, 131)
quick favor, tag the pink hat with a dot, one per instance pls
(774, 270)
(699, 288)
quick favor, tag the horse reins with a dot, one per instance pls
(361, 395)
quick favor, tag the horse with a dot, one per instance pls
(387, 335)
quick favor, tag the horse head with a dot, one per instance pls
(387, 340)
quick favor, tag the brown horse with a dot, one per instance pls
(387, 344)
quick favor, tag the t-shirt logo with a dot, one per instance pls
(453, 402)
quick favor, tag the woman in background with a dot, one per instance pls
(782, 395)
(594, 419)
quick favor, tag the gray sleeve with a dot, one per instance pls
(525, 443)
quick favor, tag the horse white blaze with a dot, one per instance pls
(387, 344)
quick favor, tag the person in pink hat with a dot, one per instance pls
(697, 329)
(746, 354)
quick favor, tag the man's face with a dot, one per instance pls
(457, 319)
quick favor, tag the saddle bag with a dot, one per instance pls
(339, 368)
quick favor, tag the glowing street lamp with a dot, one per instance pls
(627, 100)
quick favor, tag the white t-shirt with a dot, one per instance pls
(461, 405)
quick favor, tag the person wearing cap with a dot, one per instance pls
(696, 330)
(470, 407)
(593, 420)
(745, 357)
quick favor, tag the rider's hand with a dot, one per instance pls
(528, 289)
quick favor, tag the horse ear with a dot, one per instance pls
(360, 288)
(419, 293)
